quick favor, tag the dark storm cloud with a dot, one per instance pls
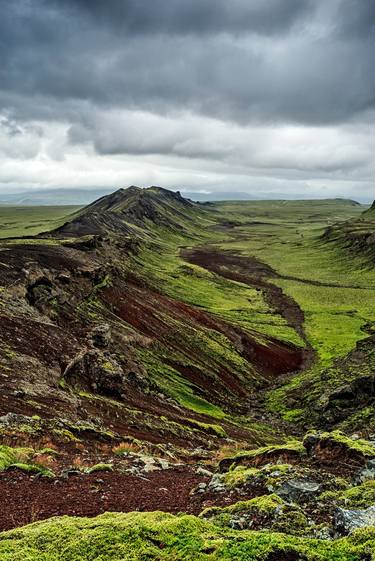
(195, 16)
(233, 59)
(356, 18)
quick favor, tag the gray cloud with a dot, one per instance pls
(193, 17)
(68, 51)
(193, 80)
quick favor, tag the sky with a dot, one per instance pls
(255, 96)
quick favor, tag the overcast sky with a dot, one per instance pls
(259, 96)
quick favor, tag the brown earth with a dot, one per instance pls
(26, 498)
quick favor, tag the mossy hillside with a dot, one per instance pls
(168, 380)
(160, 536)
(233, 301)
(336, 293)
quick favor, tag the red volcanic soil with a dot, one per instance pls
(251, 271)
(26, 498)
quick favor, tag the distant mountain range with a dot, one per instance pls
(82, 197)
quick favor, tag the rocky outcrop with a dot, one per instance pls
(96, 372)
(330, 448)
(101, 335)
(346, 521)
(299, 490)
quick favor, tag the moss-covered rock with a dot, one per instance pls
(160, 536)
(338, 450)
(21, 458)
(267, 511)
(283, 453)
(360, 496)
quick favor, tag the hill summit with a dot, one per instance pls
(121, 211)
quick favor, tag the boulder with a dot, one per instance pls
(346, 521)
(101, 335)
(299, 490)
(97, 372)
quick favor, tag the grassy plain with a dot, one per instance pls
(18, 221)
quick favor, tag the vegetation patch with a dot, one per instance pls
(134, 536)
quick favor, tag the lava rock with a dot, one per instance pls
(138, 380)
(346, 521)
(101, 335)
(97, 372)
(298, 490)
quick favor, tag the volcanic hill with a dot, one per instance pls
(151, 361)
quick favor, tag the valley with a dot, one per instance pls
(196, 378)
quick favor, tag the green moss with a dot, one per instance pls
(65, 435)
(239, 476)
(99, 467)
(33, 468)
(21, 458)
(291, 447)
(361, 496)
(160, 536)
(265, 504)
(216, 430)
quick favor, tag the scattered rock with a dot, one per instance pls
(203, 471)
(216, 484)
(200, 488)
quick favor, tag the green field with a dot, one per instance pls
(18, 221)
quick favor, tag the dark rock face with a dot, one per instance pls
(346, 521)
(138, 380)
(40, 292)
(361, 389)
(101, 335)
(98, 373)
(359, 393)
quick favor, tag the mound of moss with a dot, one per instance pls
(361, 496)
(282, 453)
(267, 511)
(159, 536)
(21, 458)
